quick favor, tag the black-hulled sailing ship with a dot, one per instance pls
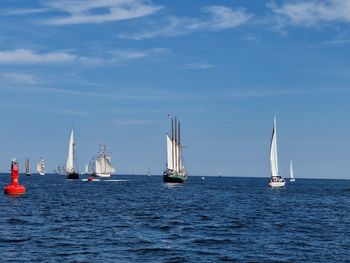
(71, 169)
(26, 164)
(175, 171)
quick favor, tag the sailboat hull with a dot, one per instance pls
(102, 175)
(292, 180)
(73, 175)
(28, 174)
(279, 182)
(174, 177)
(41, 173)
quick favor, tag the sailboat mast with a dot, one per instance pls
(172, 142)
(176, 146)
(104, 159)
(179, 147)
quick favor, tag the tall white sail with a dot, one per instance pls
(86, 169)
(98, 166)
(109, 167)
(273, 151)
(291, 170)
(70, 160)
(170, 157)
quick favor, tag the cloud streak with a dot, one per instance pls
(245, 93)
(26, 56)
(313, 12)
(217, 18)
(18, 78)
(94, 12)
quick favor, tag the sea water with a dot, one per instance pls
(219, 219)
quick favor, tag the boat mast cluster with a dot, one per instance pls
(176, 144)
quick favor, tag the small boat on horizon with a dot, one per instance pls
(292, 179)
(26, 164)
(275, 180)
(40, 167)
(70, 166)
(175, 171)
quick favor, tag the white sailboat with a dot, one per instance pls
(103, 166)
(292, 179)
(40, 167)
(276, 180)
(71, 169)
(86, 171)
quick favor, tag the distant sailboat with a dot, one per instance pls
(149, 172)
(27, 167)
(71, 169)
(292, 179)
(86, 171)
(103, 166)
(276, 180)
(40, 167)
(175, 172)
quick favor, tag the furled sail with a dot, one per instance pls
(70, 160)
(273, 151)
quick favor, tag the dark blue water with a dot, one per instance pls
(215, 220)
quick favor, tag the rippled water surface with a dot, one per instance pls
(143, 220)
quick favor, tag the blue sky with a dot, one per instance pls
(114, 69)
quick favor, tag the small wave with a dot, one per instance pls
(16, 221)
(143, 251)
(14, 240)
(212, 241)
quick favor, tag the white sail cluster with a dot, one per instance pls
(174, 149)
(173, 155)
(102, 165)
(40, 167)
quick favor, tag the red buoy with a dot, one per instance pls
(14, 188)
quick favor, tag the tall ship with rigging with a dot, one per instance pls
(102, 165)
(175, 171)
(40, 167)
(70, 166)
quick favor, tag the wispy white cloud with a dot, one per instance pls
(312, 12)
(196, 66)
(112, 94)
(336, 42)
(26, 56)
(23, 11)
(91, 11)
(218, 18)
(18, 78)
